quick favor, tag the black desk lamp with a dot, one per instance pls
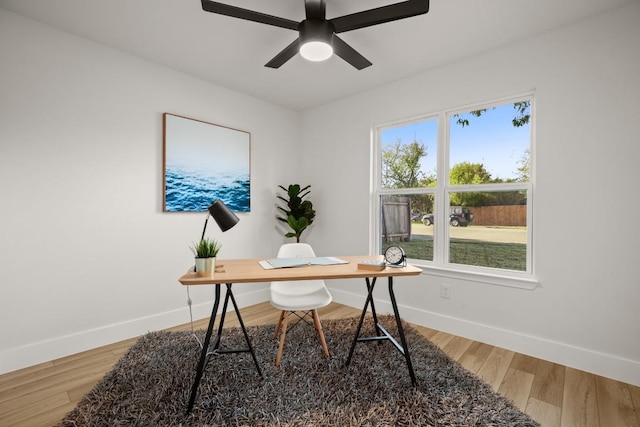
(223, 216)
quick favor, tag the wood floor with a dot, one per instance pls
(552, 394)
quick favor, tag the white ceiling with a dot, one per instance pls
(231, 52)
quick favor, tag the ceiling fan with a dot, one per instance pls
(317, 38)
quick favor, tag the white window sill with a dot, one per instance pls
(512, 280)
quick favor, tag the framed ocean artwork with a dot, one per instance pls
(204, 162)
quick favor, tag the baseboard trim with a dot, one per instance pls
(55, 348)
(606, 365)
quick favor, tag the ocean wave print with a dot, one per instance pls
(193, 192)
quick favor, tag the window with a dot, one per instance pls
(454, 188)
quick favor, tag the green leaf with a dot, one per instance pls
(206, 248)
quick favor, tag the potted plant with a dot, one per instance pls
(205, 252)
(298, 213)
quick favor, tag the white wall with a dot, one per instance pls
(86, 255)
(586, 79)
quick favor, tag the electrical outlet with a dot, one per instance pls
(445, 291)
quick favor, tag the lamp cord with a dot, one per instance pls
(193, 332)
(189, 303)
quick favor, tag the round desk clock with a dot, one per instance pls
(394, 257)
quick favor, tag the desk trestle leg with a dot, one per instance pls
(382, 333)
(204, 355)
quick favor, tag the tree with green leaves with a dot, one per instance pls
(468, 173)
(401, 168)
(475, 173)
(401, 165)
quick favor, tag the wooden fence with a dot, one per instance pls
(396, 219)
(513, 215)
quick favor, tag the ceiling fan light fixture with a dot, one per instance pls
(316, 51)
(316, 40)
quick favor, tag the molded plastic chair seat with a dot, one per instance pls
(298, 296)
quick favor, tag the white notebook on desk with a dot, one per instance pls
(299, 262)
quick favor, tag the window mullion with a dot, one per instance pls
(440, 233)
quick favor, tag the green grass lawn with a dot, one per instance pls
(509, 256)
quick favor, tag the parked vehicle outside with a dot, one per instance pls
(416, 217)
(458, 217)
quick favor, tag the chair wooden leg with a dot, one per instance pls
(316, 322)
(282, 337)
(275, 335)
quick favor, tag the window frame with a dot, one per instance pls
(440, 266)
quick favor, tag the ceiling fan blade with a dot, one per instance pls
(249, 15)
(315, 9)
(286, 54)
(349, 54)
(380, 15)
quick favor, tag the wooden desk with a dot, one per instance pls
(250, 271)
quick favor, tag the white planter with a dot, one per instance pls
(205, 267)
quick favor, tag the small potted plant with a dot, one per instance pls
(205, 252)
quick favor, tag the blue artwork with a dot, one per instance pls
(205, 162)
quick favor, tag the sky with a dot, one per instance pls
(490, 139)
(198, 146)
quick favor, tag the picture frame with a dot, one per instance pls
(204, 162)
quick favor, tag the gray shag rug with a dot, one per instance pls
(150, 385)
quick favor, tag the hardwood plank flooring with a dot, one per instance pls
(552, 394)
(580, 404)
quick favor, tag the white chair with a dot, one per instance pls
(293, 297)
